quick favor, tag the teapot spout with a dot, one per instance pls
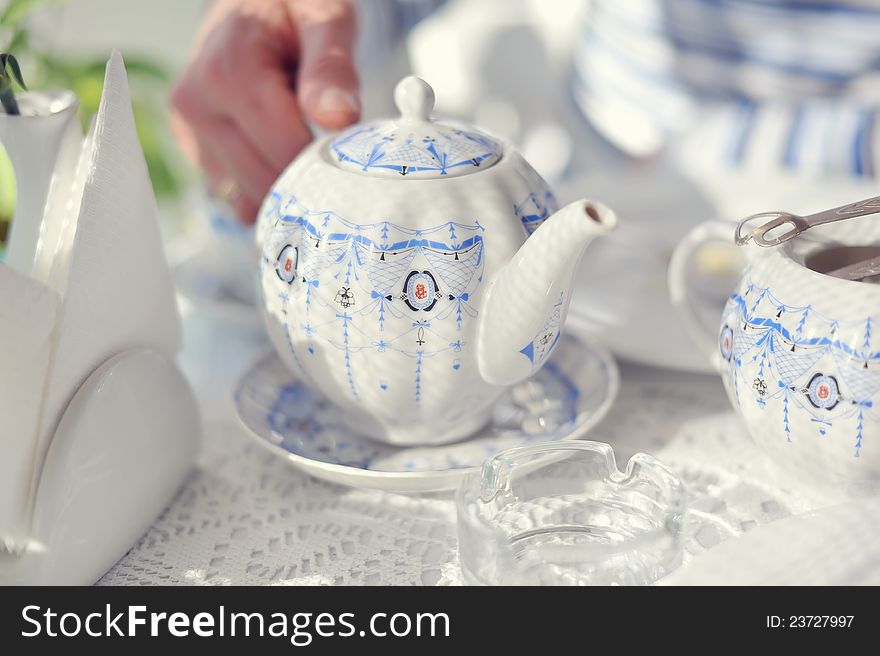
(527, 302)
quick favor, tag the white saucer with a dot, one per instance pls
(563, 401)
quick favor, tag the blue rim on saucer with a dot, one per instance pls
(564, 400)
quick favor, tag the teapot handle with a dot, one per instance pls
(682, 287)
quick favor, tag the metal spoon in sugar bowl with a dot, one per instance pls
(799, 224)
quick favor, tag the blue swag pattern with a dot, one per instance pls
(811, 364)
(372, 273)
(370, 148)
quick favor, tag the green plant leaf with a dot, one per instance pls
(9, 73)
(7, 191)
(19, 41)
(10, 64)
(17, 10)
(162, 169)
(57, 70)
(138, 66)
(134, 66)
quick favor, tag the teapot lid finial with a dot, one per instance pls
(413, 145)
(414, 99)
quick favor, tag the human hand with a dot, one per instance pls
(259, 69)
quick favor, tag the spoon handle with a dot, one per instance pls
(850, 211)
(798, 224)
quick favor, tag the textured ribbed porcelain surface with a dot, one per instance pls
(374, 283)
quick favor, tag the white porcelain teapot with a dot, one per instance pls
(412, 269)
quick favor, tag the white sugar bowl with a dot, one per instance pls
(799, 354)
(412, 269)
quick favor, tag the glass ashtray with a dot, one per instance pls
(563, 514)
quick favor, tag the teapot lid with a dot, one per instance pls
(414, 145)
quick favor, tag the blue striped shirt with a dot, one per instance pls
(757, 84)
(763, 84)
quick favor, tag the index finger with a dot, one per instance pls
(270, 118)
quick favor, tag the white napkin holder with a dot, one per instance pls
(120, 453)
(91, 463)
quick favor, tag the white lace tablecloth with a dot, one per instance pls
(245, 517)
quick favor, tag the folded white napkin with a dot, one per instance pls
(115, 293)
(832, 546)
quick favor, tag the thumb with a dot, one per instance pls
(327, 82)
